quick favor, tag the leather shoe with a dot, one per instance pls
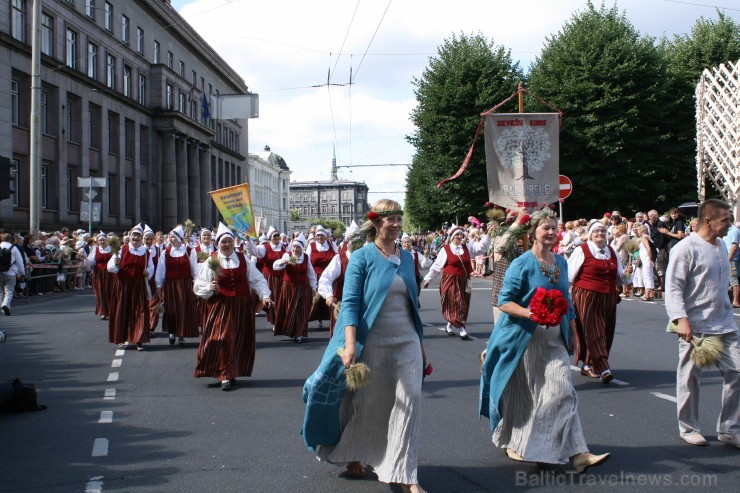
(513, 455)
(463, 333)
(695, 438)
(449, 330)
(607, 377)
(729, 439)
(172, 339)
(581, 462)
(226, 386)
(589, 372)
(6, 311)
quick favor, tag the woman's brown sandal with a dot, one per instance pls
(356, 469)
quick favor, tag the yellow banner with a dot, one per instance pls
(235, 206)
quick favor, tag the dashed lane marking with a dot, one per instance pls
(113, 376)
(95, 485)
(120, 352)
(664, 396)
(116, 363)
(106, 417)
(110, 394)
(100, 447)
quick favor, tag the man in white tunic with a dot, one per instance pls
(696, 299)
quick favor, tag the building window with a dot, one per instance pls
(183, 106)
(19, 20)
(156, 52)
(170, 59)
(182, 69)
(92, 60)
(142, 89)
(71, 48)
(47, 34)
(90, 8)
(113, 137)
(44, 98)
(168, 101)
(127, 81)
(109, 16)
(14, 102)
(193, 109)
(110, 73)
(14, 170)
(124, 29)
(140, 40)
(195, 78)
(44, 186)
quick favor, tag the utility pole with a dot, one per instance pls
(35, 150)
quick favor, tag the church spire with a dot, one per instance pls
(334, 166)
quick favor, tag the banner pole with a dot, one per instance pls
(521, 98)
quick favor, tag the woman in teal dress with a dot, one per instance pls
(526, 390)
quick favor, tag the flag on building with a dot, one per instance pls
(190, 94)
(204, 107)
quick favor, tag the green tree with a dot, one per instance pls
(336, 227)
(469, 75)
(709, 44)
(295, 216)
(610, 83)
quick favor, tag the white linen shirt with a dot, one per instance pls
(280, 264)
(113, 268)
(474, 248)
(331, 273)
(90, 260)
(576, 259)
(175, 252)
(202, 285)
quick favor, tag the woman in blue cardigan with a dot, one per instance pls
(378, 424)
(526, 390)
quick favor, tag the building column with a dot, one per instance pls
(194, 182)
(205, 203)
(168, 181)
(181, 167)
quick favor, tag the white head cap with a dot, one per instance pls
(223, 232)
(178, 232)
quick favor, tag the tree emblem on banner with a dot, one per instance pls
(524, 147)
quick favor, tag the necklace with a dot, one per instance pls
(386, 255)
(551, 273)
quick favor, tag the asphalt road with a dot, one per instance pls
(138, 421)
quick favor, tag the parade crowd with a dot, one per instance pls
(555, 289)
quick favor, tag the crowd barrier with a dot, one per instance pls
(47, 278)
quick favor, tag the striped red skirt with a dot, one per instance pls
(227, 347)
(180, 315)
(275, 283)
(153, 304)
(292, 310)
(596, 319)
(129, 311)
(455, 301)
(102, 283)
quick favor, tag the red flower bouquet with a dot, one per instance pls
(548, 307)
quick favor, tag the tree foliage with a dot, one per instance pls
(610, 83)
(469, 75)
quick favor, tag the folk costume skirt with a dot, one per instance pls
(380, 421)
(227, 348)
(129, 311)
(596, 319)
(455, 301)
(292, 310)
(320, 311)
(180, 310)
(153, 306)
(102, 283)
(539, 406)
(275, 283)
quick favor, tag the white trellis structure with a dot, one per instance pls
(718, 131)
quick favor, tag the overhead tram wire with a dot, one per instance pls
(373, 38)
(346, 35)
(716, 7)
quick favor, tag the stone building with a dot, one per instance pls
(334, 199)
(269, 178)
(126, 89)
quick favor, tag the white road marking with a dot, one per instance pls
(110, 394)
(95, 485)
(106, 417)
(113, 377)
(100, 447)
(116, 363)
(664, 396)
(120, 352)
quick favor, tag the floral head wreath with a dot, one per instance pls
(373, 215)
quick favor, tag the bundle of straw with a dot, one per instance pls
(706, 350)
(316, 297)
(292, 260)
(202, 256)
(115, 244)
(357, 374)
(188, 226)
(672, 327)
(498, 215)
(631, 245)
(160, 308)
(215, 265)
(337, 309)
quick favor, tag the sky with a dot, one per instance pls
(282, 48)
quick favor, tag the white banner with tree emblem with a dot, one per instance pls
(522, 159)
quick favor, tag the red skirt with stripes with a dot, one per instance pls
(455, 301)
(153, 304)
(275, 283)
(102, 283)
(129, 311)
(227, 347)
(292, 310)
(180, 314)
(596, 319)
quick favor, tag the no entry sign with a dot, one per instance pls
(566, 187)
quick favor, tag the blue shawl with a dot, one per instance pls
(511, 335)
(366, 283)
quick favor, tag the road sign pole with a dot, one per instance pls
(89, 210)
(560, 203)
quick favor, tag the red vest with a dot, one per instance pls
(133, 266)
(177, 267)
(597, 274)
(270, 258)
(319, 260)
(297, 273)
(233, 282)
(199, 249)
(101, 259)
(338, 286)
(457, 266)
